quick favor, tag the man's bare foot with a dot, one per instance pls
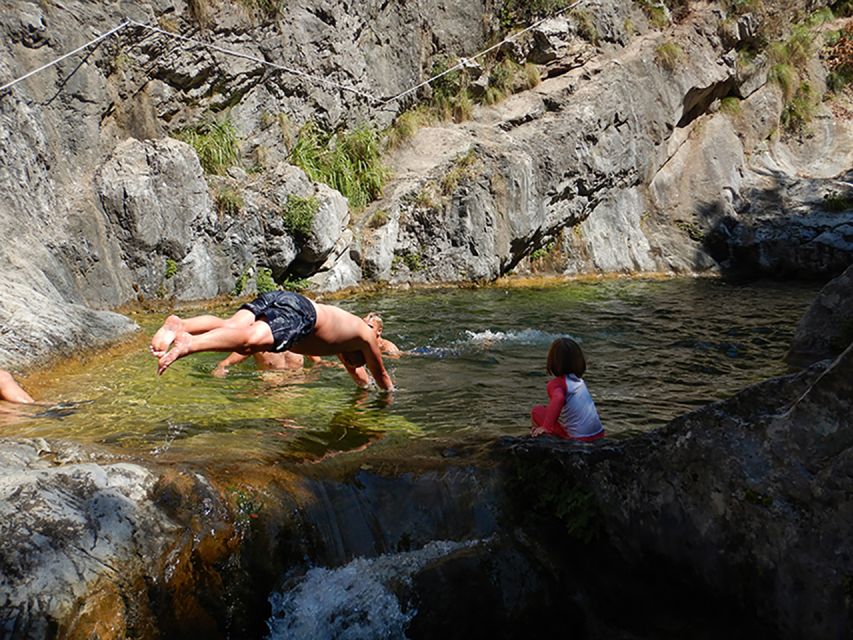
(165, 335)
(180, 348)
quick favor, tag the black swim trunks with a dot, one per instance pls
(290, 316)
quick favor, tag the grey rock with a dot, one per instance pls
(826, 329)
(746, 499)
(67, 527)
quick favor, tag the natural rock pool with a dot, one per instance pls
(405, 510)
(655, 349)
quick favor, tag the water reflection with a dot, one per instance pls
(475, 363)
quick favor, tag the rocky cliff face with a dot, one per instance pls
(616, 162)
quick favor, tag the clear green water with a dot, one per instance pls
(655, 349)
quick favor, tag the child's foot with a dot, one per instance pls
(180, 348)
(165, 335)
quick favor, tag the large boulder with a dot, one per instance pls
(745, 503)
(826, 329)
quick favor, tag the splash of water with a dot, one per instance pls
(358, 601)
(523, 336)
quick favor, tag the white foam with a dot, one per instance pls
(523, 336)
(356, 601)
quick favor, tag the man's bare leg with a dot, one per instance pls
(165, 335)
(242, 339)
(194, 326)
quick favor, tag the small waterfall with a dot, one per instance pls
(365, 599)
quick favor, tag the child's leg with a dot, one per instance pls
(537, 418)
(11, 390)
(242, 339)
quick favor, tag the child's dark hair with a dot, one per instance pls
(565, 357)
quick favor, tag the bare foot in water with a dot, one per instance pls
(180, 348)
(165, 335)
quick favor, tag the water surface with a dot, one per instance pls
(476, 364)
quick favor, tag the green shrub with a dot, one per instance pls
(837, 202)
(785, 76)
(240, 283)
(215, 143)
(656, 13)
(585, 25)
(264, 280)
(378, 219)
(462, 168)
(740, 7)
(295, 284)
(800, 109)
(229, 201)
(668, 54)
(730, 105)
(269, 9)
(348, 161)
(171, 269)
(405, 126)
(519, 13)
(412, 260)
(838, 54)
(298, 214)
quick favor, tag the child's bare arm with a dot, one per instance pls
(359, 374)
(222, 368)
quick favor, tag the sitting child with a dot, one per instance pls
(388, 348)
(570, 412)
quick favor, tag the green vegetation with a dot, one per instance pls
(295, 284)
(518, 13)
(730, 105)
(542, 252)
(837, 202)
(378, 219)
(240, 284)
(740, 7)
(585, 24)
(657, 13)
(405, 126)
(693, 231)
(229, 201)
(348, 161)
(298, 214)
(571, 504)
(269, 9)
(788, 57)
(451, 98)
(757, 498)
(462, 168)
(668, 55)
(214, 142)
(264, 280)
(799, 110)
(412, 260)
(171, 269)
(246, 504)
(838, 55)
